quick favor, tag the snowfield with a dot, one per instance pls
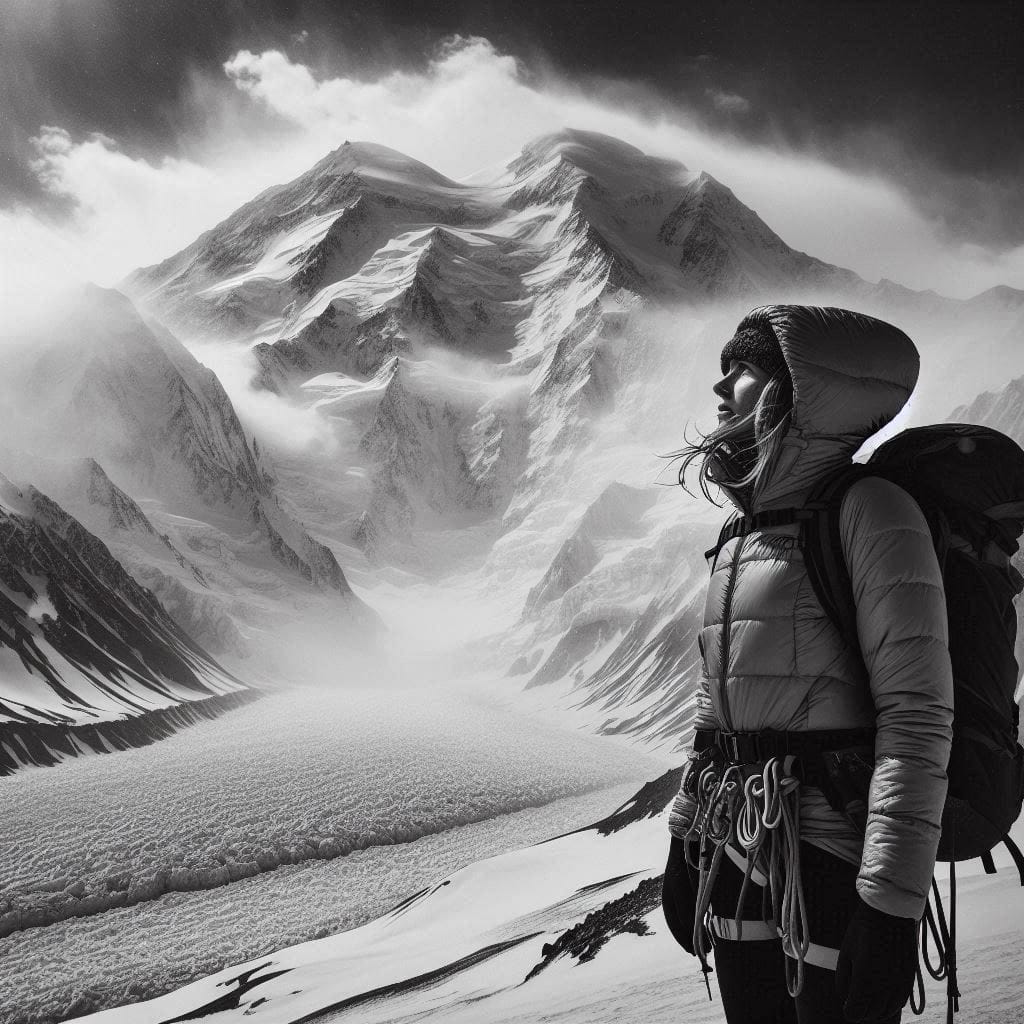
(302, 776)
(125, 954)
(569, 931)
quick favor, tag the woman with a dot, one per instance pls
(813, 909)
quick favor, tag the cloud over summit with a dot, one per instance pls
(266, 116)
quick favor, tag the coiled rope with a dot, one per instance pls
(731, 804)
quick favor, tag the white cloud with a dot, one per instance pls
(123, 204)
(728, 102)
(291, 427)
(38, 265)
(471, 107)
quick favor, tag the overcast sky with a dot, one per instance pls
(881, 136)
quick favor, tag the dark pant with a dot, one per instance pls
(752, 973)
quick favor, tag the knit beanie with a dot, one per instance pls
(754, 342)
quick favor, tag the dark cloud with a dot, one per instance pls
(929, 95)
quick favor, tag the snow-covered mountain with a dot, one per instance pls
(492, 355)
(1002, 410)
(120, 423)
(294, 239)
(89, 660)
(372, 262)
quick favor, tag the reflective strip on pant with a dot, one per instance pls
(754, 931)
(725, 928)
(822, 956)
(756, 876)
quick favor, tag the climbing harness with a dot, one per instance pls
(755, 809)
(740, 797)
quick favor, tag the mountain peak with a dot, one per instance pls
(383, 164)
(708, 182)
(11, 496)
(1001, 295)
(575, 141)
(615, 164)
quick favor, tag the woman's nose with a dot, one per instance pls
(722, 388)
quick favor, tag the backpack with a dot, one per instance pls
(969, 482)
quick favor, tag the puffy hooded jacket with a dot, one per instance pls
(772, 659)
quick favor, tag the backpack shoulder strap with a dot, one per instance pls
(823, 550)
(740, 526)
(1018, 857)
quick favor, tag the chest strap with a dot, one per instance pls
(740, 526)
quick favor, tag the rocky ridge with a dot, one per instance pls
(85, 650)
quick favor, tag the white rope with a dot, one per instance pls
(763, 808)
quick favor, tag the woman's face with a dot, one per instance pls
(739, 390)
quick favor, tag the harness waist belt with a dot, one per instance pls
(807, 747)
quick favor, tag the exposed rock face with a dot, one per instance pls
(149, 555)
(724, 248)
(648, 802)
(619, 624)
(134, 399)
(647, 684)
(576, 557)
(203, 615)
(350, 241)
(410, 440)
(44, 744)
(123, 514)
(1002, 410)
(84, 645)
(574, 646)
(583, 941)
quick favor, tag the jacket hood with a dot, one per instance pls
(852, 374)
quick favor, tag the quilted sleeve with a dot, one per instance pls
(903, 632)
(704, 715)
(684, 808)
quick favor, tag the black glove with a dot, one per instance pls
(678, 896)
(877, 964)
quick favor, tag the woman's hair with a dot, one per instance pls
(739, 453)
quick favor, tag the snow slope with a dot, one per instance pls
(568, 930)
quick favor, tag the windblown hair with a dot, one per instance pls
(737, 454)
